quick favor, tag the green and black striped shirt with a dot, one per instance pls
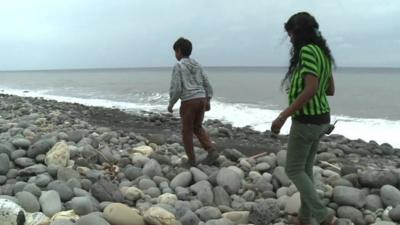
(312, 61)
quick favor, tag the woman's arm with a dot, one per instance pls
(309, 91)
(331, 87)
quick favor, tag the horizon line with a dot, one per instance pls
(164, 67)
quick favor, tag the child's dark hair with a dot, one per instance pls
(184, 45)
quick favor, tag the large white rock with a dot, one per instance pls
(293, 204)
(237, 217)
(167, 198)
(58, 155)
(144, 150)
(132, 193)
(159, 216)
(120, 214)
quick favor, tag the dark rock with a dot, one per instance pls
(132, 172)
(24, 162)
(264, 212)
(6, 148)
(75, 136)
(42, 180)
(104, 190)
(4, 164)
(158, 139)
(63, 190)
(65, 173)
(189, 218)
(40, 147)
(233, 154)
(21, 143)
(163, 159)
(32, 188)
(394, 214)
(17, 154)
(33, 170)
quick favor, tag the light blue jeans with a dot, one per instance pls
(302, 149)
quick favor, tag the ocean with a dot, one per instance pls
(366, 103)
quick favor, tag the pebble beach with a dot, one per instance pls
(70, 164)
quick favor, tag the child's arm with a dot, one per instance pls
(175, 89)
(207, 86)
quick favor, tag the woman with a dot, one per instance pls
(308, 82)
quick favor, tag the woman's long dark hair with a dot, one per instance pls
(304, 30)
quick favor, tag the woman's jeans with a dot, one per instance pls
(301, 153)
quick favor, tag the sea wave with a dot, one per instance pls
(239, 115)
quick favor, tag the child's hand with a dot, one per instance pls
(170, 108)
(208, 106)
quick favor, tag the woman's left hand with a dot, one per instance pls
(277, 124)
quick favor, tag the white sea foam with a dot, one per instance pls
(239, 115)
(379, 130)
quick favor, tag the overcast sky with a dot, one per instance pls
(56, 34)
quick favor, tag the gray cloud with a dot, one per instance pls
(46, 34)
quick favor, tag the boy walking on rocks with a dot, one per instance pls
(190, 84)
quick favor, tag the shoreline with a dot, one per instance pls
(96, 161)
(379, 130)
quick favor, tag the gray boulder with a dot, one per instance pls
(50, 203)
(280, 174)
(351, 213)
(390, 195)
(349, 196)
(198, 175)
(189, 218)
(373, 202)
(377, 178)
(92, 218)
(28, 201)
(229, 179)
(221, 197)
(181, 180)
(152, 168)
(208, 213)
(82, 205)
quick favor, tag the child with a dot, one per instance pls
(190, 84)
